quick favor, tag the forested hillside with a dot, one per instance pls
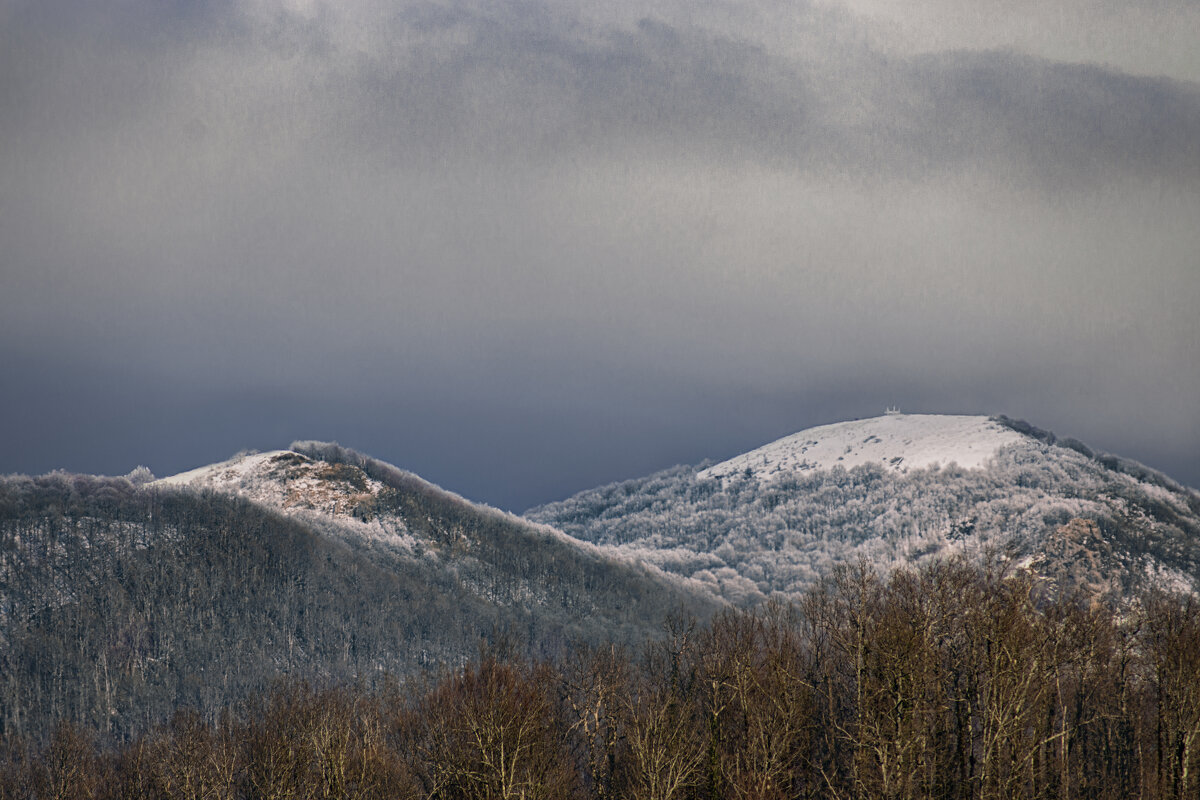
(953, 682)
(121, 603)
(126, 600)
(779, 526)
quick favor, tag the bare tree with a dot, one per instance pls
(494, 732)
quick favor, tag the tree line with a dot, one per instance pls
(949, 681)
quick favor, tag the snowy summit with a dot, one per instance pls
(285, 480)
(896, 441)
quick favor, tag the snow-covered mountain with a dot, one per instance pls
(369, 502)
(339, 497)
(896, 441)
(902, 489)
(319, 562)
(495, 556)
(283, 478)
(315, 562)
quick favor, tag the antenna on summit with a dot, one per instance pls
(893, 411)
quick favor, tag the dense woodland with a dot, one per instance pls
(953, 681)
(120, 603)
(750, 537)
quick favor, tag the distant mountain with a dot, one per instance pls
(902, 489)
(122, 601)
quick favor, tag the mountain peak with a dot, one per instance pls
(315, 561)
(287, 480)
(894, 441)
(1084, 522)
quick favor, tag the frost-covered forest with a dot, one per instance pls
(317, 618)
(120, 602)
(749, 537)
(951, 682)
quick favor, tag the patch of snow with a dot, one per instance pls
(222, 475)
(895, 441)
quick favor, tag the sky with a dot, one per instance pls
(524, 248)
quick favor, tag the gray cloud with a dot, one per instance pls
(1146, 37)
(533, 82)
(524, 247)
(521, 87)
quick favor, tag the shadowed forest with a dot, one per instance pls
(948, 682)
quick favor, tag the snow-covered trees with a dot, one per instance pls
(951, 681)
(783, 532)
(120, 602)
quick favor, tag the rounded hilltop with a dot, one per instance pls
(895, 441)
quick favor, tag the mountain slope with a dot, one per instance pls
(500, 558)
(120, 603)
(895, 490)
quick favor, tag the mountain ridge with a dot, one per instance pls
(777, 518)
(147, 598)
(319, 562)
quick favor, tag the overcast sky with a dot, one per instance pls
(524, 248)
